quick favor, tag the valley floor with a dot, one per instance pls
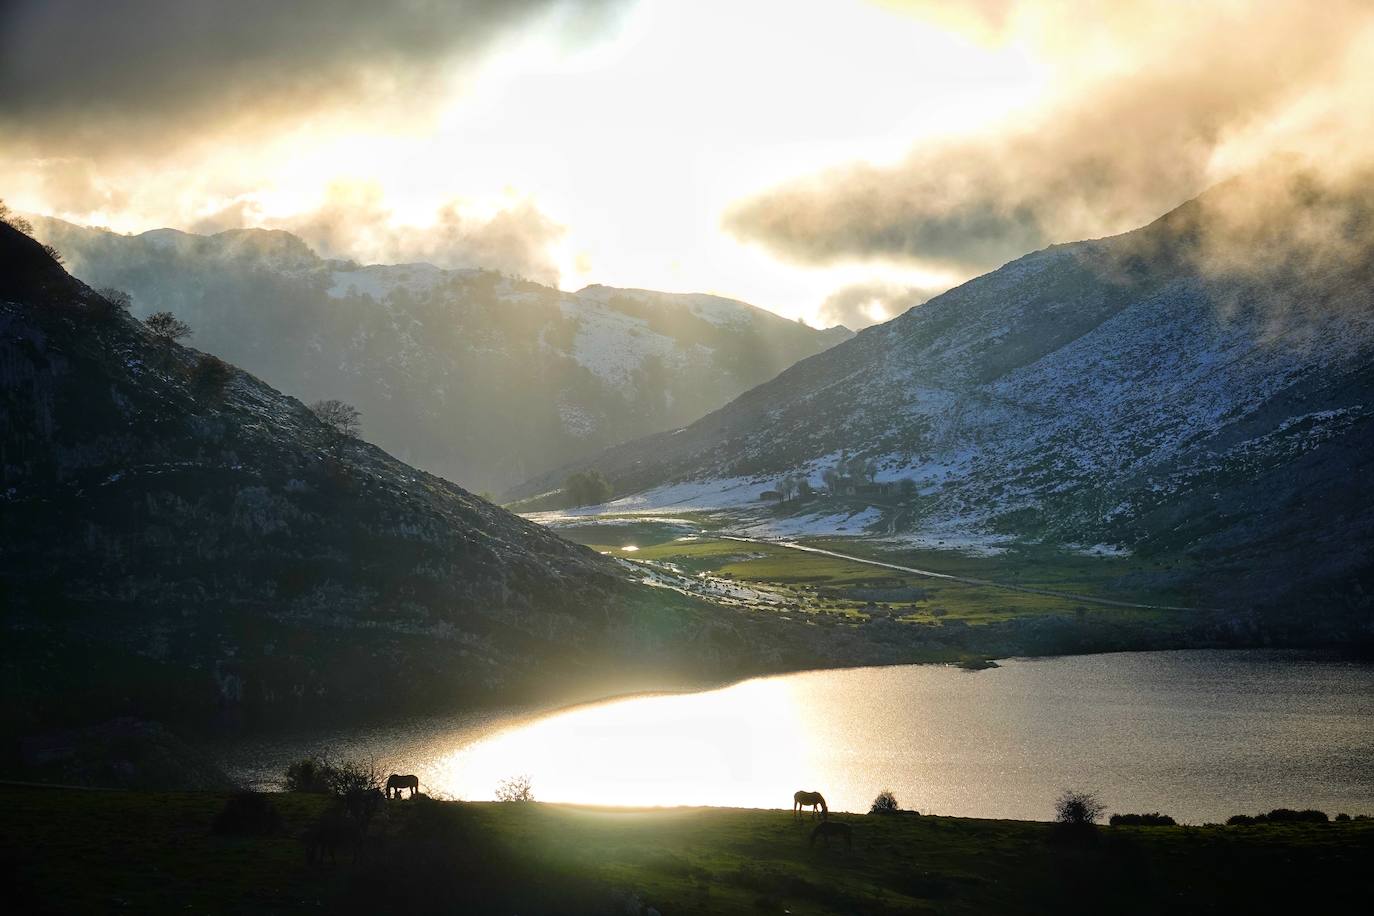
(76, 851)
(940, 603)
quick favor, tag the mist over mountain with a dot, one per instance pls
(481, 378)
(1201, 387)
(178, 537)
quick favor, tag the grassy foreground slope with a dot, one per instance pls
(72, 851)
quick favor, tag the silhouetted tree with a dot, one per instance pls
(116, 297)
(1077, 809)
(14, 220)
(515, 789)
(907, 488)
(167, 327)
(53, 253)
(885, 803)
(342, 420)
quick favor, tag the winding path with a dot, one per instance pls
(931, 574)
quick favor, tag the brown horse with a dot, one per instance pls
(815, 800)
(826, 829)
(397, 783)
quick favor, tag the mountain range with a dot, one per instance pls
(178, 537)
(481, 378)
(1202, 387)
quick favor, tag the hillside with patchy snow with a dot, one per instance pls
(1203, 385)
(481, 378)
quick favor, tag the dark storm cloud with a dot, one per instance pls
(83, 75)
(1181, 93)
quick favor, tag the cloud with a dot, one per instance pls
(1152, 106)
(354, 222)
(90, 75)
(862, 304)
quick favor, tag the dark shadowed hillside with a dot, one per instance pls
(177, 537)
(483, 379)
(1203, 386)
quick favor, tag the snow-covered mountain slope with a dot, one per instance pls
(1203, 384)
(175, 528)
(483, 379)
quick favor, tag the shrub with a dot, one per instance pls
(116, 297)
(342, 420)
(515, 789)
(885, 803)
(1342, 817)
(1154, 819)
(310, 774)
(211, 375)
(1279, 816)
(167, 327)
(1077, 809)
(247, 814)
(322, 774)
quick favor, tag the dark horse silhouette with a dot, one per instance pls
(826, 829)
(815, 800)
(396, 783)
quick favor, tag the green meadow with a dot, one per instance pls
(817, 583)
(73, 851)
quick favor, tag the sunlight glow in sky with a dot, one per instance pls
(835, 160)
(636, 141)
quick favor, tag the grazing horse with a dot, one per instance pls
(396, 783)
(826, 829)
(814, 799)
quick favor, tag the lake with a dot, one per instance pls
(1200, 735)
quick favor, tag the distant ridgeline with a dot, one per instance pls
(1202, 387)
(483, 379)
(177, 537)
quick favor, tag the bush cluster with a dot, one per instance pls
(1279, 816)
(1154, 819)
(322, 774)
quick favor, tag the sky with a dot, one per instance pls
(835, 161)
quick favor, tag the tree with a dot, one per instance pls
(832, 478)
(53, 253)
(515, 789)
(117, 297)
(587, 488)
(1077, 809)
(907, 487)
(342, 420)
(788, 487)
(167, 327)
(14, 220)
(885, 803)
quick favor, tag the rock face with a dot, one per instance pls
(1202, 385)
(482, 379)
(176, 536)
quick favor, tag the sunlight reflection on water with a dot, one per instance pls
(1200, 735)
